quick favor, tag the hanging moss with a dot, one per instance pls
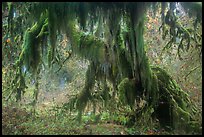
(83, 13)
(10, 18)
(20, 84)
(172, 26)
(52, 18)
(82, 101)
(125, 65)
(31, 44)
(49, 57)
(85, 94)
(36, 91)
(30, 56)
(88, 46)
(105, 94)
(127, 92)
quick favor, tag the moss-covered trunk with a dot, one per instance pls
(164, 98)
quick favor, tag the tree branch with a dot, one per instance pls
(191, 71)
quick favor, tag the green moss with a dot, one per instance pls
(10, 18)
(91, 48)
(83, 13)
(180, 116)
(153, 95)
(81, 103)
(85, 94)
(177, 99)
(49, 57)
(31, 45)
(30, 56)
(124, 64)
(127, 91)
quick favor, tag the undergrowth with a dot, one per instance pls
(20, 121)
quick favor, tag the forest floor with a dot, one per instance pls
(20, 121)
(17, 121)
(50, 119)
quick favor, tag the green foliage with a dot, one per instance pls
(49, 57)
(127, 91)
(31, 45)
(124, 63)
(71, 105)
(92, 48)
(131, 131)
